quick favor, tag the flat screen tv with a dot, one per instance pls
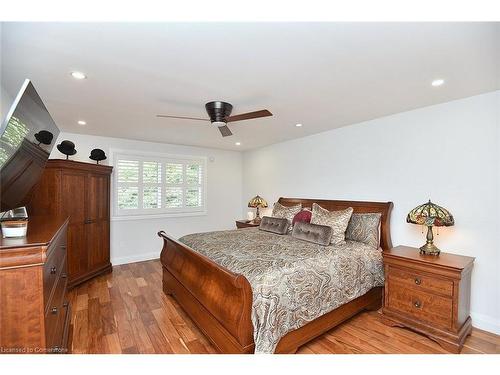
(27, 136)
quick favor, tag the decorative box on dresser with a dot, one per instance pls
(429, 294)
(34, 309)
(80, 191)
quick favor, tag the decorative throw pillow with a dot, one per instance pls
(274, 225)
(315, 233)
(364, 228)
(302, 216)
(286, 212)
(338, 220)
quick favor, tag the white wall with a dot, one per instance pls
(134, 240)
(447, 152)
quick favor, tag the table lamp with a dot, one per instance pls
(257, 202)
(430, 214)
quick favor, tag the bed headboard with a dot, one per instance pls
(360, 207)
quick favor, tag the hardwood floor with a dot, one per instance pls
(127, 312)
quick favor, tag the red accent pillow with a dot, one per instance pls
(304, 216)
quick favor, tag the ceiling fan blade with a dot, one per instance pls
(184, 118)
(224, 130)
(249, 115)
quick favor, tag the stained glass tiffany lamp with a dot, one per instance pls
(257, 202)
(430, 214)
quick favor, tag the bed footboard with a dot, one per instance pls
(218, 300)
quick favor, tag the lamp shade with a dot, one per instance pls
(257, 202)
(430, 214)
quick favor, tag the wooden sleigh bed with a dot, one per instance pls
(220, 301)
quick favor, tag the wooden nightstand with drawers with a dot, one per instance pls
(429, 294)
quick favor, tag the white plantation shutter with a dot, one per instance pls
(151, 181)
(159, 185)
(128, 179)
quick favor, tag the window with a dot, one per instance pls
(157, 185)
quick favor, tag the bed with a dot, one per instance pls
(246, 300)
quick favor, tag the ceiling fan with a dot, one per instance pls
(219, 114)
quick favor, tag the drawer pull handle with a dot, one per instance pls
(54, 310)
(53, 270)
(66, 304)
(417, 304)
(64, 275)
(63, 247)
(418, 281)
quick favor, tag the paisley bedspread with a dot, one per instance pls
(293, 281)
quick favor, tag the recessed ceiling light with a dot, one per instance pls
(78, 75)
(437, 82)
(298, 125)
(81, 122)
(238, 143)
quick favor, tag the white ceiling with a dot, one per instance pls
(323, 75)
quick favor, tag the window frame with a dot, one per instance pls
(156, 213)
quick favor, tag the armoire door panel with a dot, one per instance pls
(77, 251)
(98, 197)
(98, 213)
(98, 244)
(73, 196)
(73, 202)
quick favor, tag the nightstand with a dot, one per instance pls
(246, 224)
(429, 294)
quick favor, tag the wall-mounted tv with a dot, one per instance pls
(27, 136)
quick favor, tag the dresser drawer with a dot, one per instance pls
(416, 280)
(58, 342)
(55, 312)
(431, 308)
(54, 267)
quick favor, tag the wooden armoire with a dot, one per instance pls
(80, 191)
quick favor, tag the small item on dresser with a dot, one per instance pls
(97, 154)
(274, 225)
(14, 228)
(67, 148)
(14, 222)
(430, 214)
(257, 202)
(315, 233)
(44, 136)
(338, 220)
(250, 216)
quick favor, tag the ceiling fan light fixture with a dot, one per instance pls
(219, 123)
(219, 114)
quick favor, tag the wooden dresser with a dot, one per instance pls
(80, 191)
(429, 294)
(34, 310)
